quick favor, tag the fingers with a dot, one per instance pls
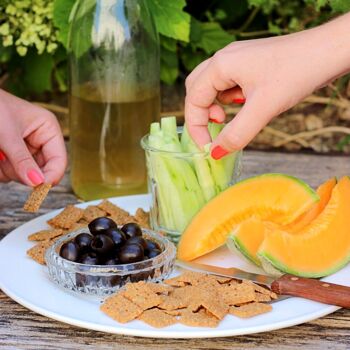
(253, 116)
(217, 114)
(52, 156)
(234, 95)
(201, 93)
(20, 163)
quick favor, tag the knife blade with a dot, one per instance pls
(308, 288)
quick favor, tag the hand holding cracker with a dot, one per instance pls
(32, 149)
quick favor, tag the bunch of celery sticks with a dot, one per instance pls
(182, 177)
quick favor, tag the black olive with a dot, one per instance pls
(150, 245)
(114, 261)
(83, 240)
(130, 253)
(69, 251)
(117, 236)
(89, 259)
(100, 225)
(131, 230)
(138, 240)
(102, 244)
(153, 253)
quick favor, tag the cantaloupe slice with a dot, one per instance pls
(319, 249)
(324, 191)
(272, 197)
(247, 237)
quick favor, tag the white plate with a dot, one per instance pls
(27, 282)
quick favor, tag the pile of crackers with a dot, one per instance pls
(72, 218)
(193, 299)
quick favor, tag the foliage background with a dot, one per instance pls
(33, 56)
(33, 34)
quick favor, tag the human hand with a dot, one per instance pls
(32, 149)
(269, 75)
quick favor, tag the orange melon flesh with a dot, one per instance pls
(324, 191)
(248, 236)
(321, 248)
(272, 197)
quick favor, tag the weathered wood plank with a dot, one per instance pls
(23, 329)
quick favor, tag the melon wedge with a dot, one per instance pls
(319, 249)
(272, 197)
(324, 191)
(247, 237)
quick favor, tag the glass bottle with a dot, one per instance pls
(113, 95)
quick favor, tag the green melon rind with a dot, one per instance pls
(236, 246)
(267, 258)
(308, 188)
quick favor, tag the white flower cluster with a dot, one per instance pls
(28, 23)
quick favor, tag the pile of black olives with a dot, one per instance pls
(106, 244)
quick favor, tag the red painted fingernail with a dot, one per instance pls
(35, 177)
(218, 152)
(213, 120)
(2, 156)
(238, 100)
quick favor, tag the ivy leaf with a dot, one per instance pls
(61, 13)
(209, 36)
(169, 66)
(340, 5)
(170, 18)
(37, 76)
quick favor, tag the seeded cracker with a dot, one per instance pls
(160, 288)
(92, 212)
(67, 217)
(142, 295)
(142, 218)
(250, 310)
(262, 297)
(237, 294)
(172, 303)
(37, 253)
(44, 235)
(36, 198)
(120, 309)
(157, 318)
(261, 290)
(198, 319)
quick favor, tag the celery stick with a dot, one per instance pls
(201, 166)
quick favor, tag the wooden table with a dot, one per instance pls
(24, 329)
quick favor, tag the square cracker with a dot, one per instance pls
(250, 310)
(237, 294)
(201, 318)
(142, 218)
(120, 308)
(92, 212)
(67, 217)
(142, 295)
(157, 318)
(44, 235)
(37, 253)
(36, 198)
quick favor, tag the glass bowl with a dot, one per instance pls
(102, 280)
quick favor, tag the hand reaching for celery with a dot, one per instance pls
(183, 177)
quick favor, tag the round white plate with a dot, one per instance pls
(27, 282)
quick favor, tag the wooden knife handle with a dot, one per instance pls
(312, 289)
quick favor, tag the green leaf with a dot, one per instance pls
(169, 66)
(320, 4)
(170, 18)
(191, 59)
(168, 43)
(61, 13)
(209, 36)
(266, 5)
(274, 28)
(340, 5)
(343, 142)
(37, 75)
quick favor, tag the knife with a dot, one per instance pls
(308, 288)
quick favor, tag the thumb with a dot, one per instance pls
(23, 163)
(252, 117)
